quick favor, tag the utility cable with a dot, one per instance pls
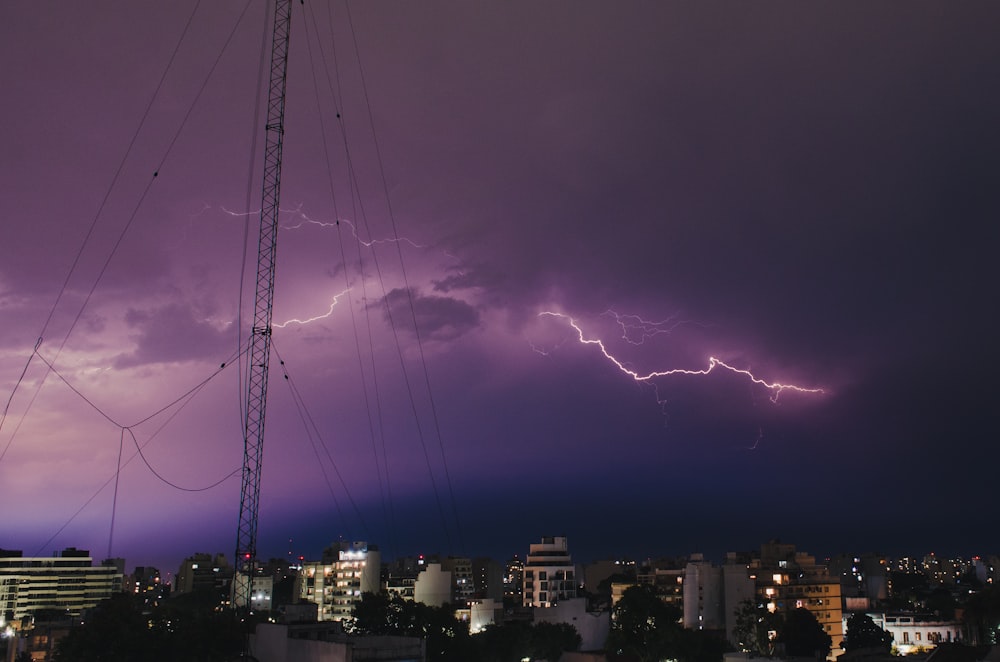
(142, 197)
(114, 499)
(361, 213)
(309, 423)
(383, 486)
(93, 224)
(409, 292)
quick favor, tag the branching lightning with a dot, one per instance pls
(336, 300)
(636, 330)
(300, 220)
(304, 219)
(776, 388)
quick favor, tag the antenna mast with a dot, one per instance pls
(260, 336)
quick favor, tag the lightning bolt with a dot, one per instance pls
(304, 219)
(776, 388)
(633, 325)
(336, 300)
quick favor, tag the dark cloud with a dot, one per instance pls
(437, 318)
(173, 334)
(812, 187)
(469, 277)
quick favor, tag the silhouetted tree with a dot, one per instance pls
(863, 632)
(643, 626)
(981, 618)
(378, 613)
(550, 640)
(754, 627)
(115, 630)
(803, 636)
(506, 642)
(700, 646)
(119, 630)
(941, 602)
(515, 640)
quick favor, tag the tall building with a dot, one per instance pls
(69, 582)
(704, 595)
(513, 580)
(787, 579)
(779, 578)
(147, 582)
(204, 573)
(549, 573)
(337, 582)
(488, 579)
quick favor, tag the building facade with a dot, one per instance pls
(336, 584)
(914, 633)
(549, 573)
(69, 582)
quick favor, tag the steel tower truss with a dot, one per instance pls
(260, 337)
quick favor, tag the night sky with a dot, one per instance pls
(810, 192)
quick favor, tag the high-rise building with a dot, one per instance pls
(337, 582)
(69, 582)
(204, 573)
(787, 579)
(488, 579)
(462, 584)
(779, 578)
(513, 580)
(549, 573)
(147, 582)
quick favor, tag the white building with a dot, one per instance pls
(69, 582)
(261, 592)
(911, 634)
(593, 627)
(335, 585)
(549, 573)
(433, 586)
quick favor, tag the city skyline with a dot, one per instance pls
(618, 230)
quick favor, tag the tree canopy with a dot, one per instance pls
(379, 613)
(122, 629)
(756, 629)
(516, 640)
(803, 636)
(449, 639)
(863, 632)
(645, 628)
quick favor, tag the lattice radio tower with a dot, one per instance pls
(260, 337)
